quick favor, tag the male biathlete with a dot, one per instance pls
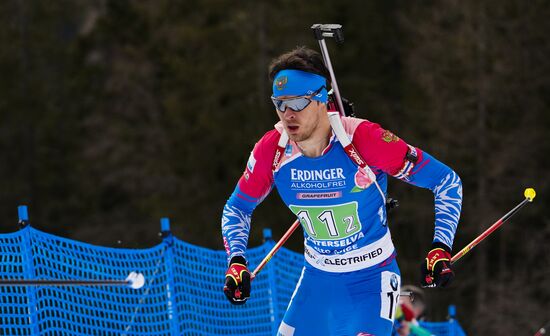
(350, 282)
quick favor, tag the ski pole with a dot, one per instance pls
(543, 330)
(275, 248)
(529, 194)
(134, 280)
(320, 31)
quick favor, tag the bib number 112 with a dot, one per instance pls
(334, 222)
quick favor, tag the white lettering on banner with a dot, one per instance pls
(354, 155)
(317, 185)
(277, 158)
(347, 249)
(337, 243)
(341, 251)
(316, 175)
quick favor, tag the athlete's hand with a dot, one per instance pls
(436, 270)
(237, 281)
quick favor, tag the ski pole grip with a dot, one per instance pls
(320, 31)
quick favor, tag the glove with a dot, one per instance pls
(436, 270)
(237, 281)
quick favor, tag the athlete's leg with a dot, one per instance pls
(344, 304)
(374, 311)
(307, 312)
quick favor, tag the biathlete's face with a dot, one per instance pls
(299, 98)
(301, 125)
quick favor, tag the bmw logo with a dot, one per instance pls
(394, 282)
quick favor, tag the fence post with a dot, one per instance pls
(168, 240)
(28, 267)
(452, 320)
(272, 281)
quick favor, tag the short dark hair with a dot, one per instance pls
(301, 58)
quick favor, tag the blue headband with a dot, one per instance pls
(291, 82)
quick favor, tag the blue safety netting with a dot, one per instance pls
(182, 294)
(449, 328)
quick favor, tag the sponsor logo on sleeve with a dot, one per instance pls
(251, 162)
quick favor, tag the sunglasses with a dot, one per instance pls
(295, 104)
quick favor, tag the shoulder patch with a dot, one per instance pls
(388, 136)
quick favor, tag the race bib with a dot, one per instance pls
(329, 222)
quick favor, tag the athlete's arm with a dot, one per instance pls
(387, 152)
(446, 185)
(253, 186)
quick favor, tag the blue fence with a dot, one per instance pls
(182, 294)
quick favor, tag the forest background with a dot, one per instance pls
(116, 113)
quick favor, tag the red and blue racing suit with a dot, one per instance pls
(350, 282)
